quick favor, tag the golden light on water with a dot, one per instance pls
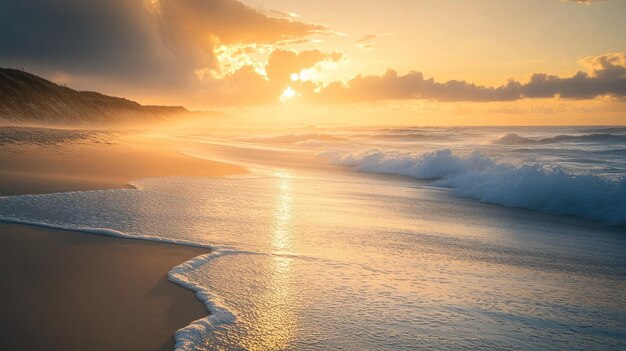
(282, 235)
(275, 322)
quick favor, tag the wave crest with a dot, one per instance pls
(516, 139)
(432, 165)
(479, 177)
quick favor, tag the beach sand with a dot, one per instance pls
(64, 290)
(74, 291)
(29, 168)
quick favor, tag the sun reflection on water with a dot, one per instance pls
(282, 238)
(276, 320)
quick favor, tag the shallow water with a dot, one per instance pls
(316, 257)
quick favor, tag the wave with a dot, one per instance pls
(98, 231)
(550, 190)
(609, 129)
(516, 139)
(413, 137)
(295, 138)
(433, 165)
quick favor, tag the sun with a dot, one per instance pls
(287, 94)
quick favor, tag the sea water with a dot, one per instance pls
(386, 238)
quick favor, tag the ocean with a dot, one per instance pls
(385, 238)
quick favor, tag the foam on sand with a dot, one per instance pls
(189, 337)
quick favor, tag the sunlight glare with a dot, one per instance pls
(287, 94)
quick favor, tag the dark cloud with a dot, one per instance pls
(83, 36)
(607, 76)
(132, 41)
(228, 21)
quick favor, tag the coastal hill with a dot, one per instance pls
(29, 99)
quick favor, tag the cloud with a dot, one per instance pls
(227, 22)
(134, 41)
(606, 76)
(284, 68)
(284, 14)
(223, 52)
(365, 41)
(71, 35)
(367, 37)
(282, 64)
(370, 37)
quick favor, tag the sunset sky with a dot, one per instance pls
(424, 62)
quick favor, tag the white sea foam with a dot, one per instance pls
(433, 165)
(551, 190)
(196, 333)
(99, 231)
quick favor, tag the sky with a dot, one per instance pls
(422, 62)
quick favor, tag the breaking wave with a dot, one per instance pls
(531, 186)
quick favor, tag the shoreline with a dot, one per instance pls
(81, 290)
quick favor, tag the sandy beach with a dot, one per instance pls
(76, 291)
(200, 175)
(53, 160)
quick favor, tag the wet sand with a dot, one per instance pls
(64, 290)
